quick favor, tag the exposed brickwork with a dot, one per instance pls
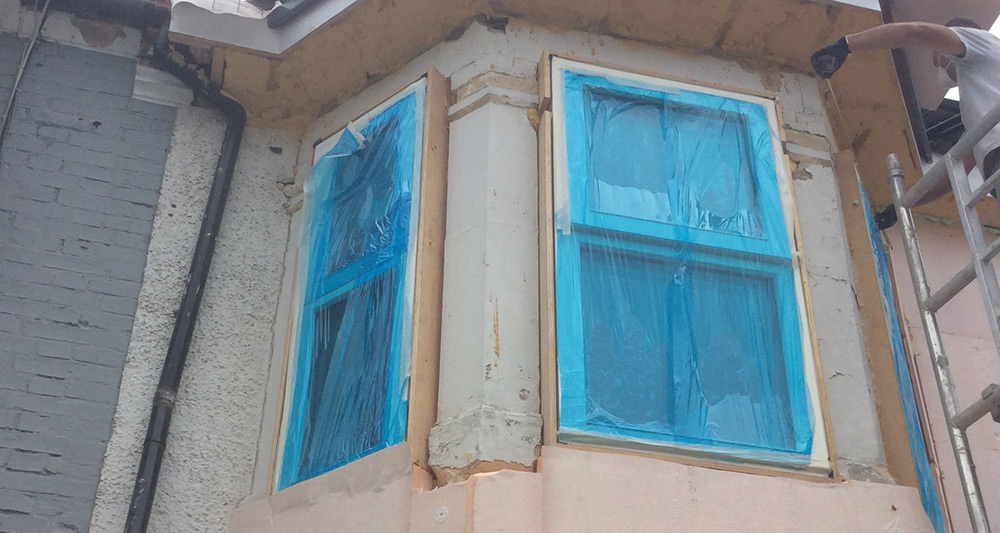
(79, 182)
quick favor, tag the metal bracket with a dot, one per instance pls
(990, 403)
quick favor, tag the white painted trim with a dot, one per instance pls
(158, 87)
(820, 460)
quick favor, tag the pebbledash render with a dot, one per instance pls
(483, 266)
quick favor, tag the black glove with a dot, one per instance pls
(886, 218)
(829, 59)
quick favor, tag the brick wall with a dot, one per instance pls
(79, 180)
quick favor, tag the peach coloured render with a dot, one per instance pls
(576, 491)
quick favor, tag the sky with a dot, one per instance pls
(995, 30)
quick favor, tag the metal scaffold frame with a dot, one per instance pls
(952, 168)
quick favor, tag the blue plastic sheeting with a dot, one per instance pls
(352, 369)
(918, 448)
(677, 314)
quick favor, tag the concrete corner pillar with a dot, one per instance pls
(488, 406)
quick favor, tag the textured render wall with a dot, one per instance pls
(468, 373)
(972, 357)
(81, 169)
(210, 454)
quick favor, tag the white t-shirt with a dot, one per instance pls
(978, 83)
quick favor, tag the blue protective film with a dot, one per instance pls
(677, 315)
(352, 368)
(918, 448)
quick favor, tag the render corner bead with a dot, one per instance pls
(485, 439)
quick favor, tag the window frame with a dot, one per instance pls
(767, 244)
(422, 299)
(553, 175)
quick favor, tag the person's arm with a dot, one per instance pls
(934, 37)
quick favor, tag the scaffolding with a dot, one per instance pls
(951, 167)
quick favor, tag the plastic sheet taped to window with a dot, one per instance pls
(352, 369)
(918, 447)
(678, 320)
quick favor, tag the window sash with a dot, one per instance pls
(322, 288)
(293, 454)
(774, 241)
(573, 420)
(576, 225)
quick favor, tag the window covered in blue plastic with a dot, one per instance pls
(678, 322)
(672, 141)
(350, 378)
(918, 447)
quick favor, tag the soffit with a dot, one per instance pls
(373, 38)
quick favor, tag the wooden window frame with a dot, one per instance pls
(427, 283)
(547, 302)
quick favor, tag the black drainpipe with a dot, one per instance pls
(173, 365)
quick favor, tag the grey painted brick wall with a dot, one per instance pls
(79, 180)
